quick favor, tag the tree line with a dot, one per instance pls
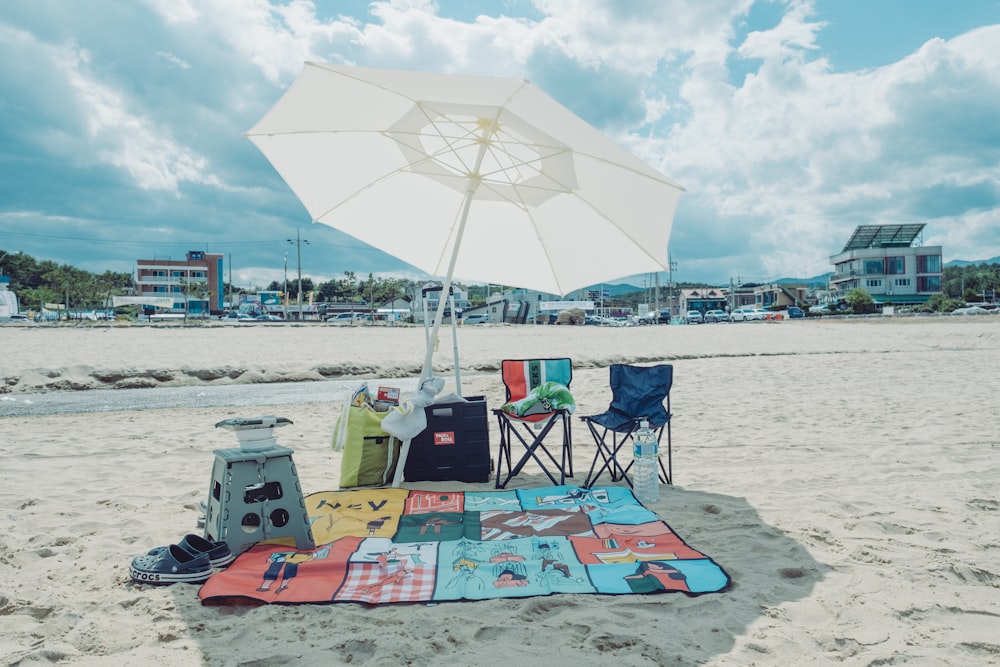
(37, 282)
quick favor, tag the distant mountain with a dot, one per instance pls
(612, 290)
(821, 280)
(962, 262)
(618, 290)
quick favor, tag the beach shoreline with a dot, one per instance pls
(83, 357)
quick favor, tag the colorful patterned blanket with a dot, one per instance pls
(395, 545)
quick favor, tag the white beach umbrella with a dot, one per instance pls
(478, 178)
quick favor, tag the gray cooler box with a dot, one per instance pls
(455, 446)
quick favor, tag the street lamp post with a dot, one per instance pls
(298, 245)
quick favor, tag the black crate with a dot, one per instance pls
(455, 446)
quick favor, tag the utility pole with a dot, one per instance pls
(673, 267)
(298, 245)
(656, 296)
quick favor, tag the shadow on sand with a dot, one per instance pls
(767, 568)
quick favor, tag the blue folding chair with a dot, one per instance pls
(520, 376)
(639, 393)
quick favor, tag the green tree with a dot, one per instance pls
(328, 291)
(940, 303)
(971, 282)
(860, 300)
(197, 290)
(110, 284)
(349, 284)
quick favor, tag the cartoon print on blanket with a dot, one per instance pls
(380, 546)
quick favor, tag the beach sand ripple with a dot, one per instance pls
(844, 473)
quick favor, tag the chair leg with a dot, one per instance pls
(503, 454)
(537, 442)
(599, 447)
(608, 455)
(567, 446)
(508, 431)
(666, 474)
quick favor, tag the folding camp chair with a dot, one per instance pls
(520, 377)
(638, 393)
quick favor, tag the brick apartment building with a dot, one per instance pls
(195, 283)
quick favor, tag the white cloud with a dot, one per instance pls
(781, 156)
(795, 33)
(112, 131)
(171, 58)
(809, 154)
(124, 139)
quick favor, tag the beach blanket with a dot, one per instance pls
(380, 546)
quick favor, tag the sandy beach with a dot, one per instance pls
(843, 472)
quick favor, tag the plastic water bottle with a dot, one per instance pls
(645, 469)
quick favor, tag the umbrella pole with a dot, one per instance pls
(432, 342)
(454, 345)
(471, 185)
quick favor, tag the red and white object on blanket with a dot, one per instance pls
(388, 394)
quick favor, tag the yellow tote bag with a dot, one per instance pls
(370, 454)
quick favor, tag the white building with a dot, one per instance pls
(8, 300)
(888, 262)
(430, 293)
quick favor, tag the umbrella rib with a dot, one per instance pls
(466, 134)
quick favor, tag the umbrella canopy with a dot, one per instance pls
(481, 178)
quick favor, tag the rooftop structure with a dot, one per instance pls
(883, 236)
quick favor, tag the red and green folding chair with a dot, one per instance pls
(538, 398)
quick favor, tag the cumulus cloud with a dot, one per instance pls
(781, 154)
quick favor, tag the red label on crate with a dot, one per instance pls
(444, 437)
(390, 394)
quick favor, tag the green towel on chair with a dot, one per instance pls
(542, 400)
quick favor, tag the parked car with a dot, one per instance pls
(234, 316)
(476, 318)
(763, 314)
(716, 316)
(693, 317)
(794, 312)
(268, 317)
(745, 315)
(970, 310)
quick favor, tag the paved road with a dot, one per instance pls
(115, 400)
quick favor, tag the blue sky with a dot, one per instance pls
(788, 122)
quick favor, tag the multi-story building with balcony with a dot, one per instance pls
(431, 294)
(195, 283)
(890, 263)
